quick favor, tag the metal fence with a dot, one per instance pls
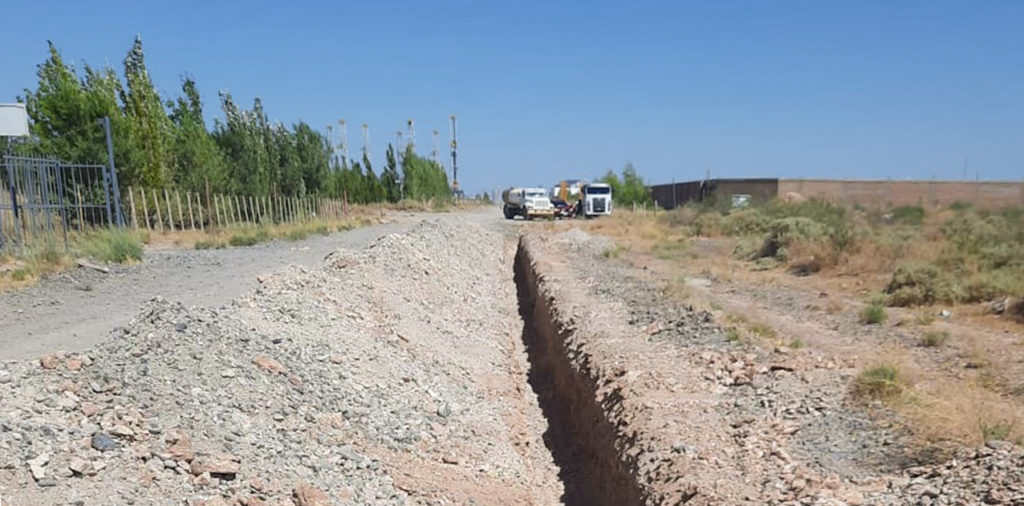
(45, 199)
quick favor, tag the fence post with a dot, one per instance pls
(145, 209)
(216, 211)
(191, 217)
(170, 212)
(181, 216)
(156, 205)
(78, 198)
(131, 202)
(199, 205)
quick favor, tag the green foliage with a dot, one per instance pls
(628, 190)
(913, 285)
(211, 244)
(782, 232)
(113, 245)
(873, 314)
(249, 238)
(748, 221)
(934, 338)
(908, 215)
(424, 179)
(879, 382)
(159, 142)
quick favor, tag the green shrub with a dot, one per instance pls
(297, 234)
(707, 224)
(908, 215)
(19, 274)
(247, 239)
(879, 382)
(784, 231)
(211, 244)
(934, 339)
(112, 245)
(873, 314)
(914, 285)
(745, 222)
(998, 430)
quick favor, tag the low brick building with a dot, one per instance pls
(867, 193)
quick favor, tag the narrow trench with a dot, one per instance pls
(580, 438)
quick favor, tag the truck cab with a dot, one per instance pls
(527, 202)
(595, 200)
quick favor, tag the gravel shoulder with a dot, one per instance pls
(77, 308)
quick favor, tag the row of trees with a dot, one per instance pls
(161, 143)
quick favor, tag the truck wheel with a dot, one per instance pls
(504, 211)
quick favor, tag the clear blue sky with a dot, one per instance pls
(551, 90)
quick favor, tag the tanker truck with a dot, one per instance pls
(526, 202)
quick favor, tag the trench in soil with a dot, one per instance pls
(579, 436)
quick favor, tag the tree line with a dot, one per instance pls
(160, 143)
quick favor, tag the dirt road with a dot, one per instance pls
(78, 308)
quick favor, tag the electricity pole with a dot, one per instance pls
(366, 142)
(344, 142)
(455, 167)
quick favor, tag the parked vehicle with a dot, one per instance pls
(595, 200)
(526, 202)
(563, 209)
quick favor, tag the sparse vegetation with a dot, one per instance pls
(997, 430)
(873, 314)
(934, 338)
(878, 382)
(114, 246)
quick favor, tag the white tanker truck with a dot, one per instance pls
(526, 202)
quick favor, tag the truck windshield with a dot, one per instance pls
(599, 191)
(536, 194)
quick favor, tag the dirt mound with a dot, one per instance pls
(378, 378)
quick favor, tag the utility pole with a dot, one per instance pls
(412, 134)
(366, 142)
(330, 143)
(344, 142)
(455, 167)
(400, 149)
(434, 153)
(113, 173)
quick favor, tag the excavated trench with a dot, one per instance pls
(579, 435)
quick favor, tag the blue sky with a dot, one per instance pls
(552, 90)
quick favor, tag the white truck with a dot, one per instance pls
(526, 202)
(595, 200)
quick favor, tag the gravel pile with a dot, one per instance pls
(378, 378)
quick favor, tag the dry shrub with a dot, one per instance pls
(808, 256)
(1016, 310)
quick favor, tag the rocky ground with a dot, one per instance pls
(445, 363)
(388, 375)
(761, 425)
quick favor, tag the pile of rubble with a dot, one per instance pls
(379, 378)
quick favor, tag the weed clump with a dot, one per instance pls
(247, 239)
(211, 244)
(873, 314)
(915, 285)
(907, 215)
(880, 382)
(113, 245)
(934, 339)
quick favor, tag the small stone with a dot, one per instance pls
(122, 431)
(47, 481)
(450, 459)
(219, 465)
(82, 467)
(73, 364)
(308, 495)
(49, 361)
(103, 442)
(270, 365)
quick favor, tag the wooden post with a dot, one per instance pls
(170, 212)
(255, 210)
(199, 206)
(191, 217)
(145, 209)
(156, 205)
(131, 202)
(216, 211)
(181, 216)
(78, 196)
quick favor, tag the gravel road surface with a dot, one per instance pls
(77, 308)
